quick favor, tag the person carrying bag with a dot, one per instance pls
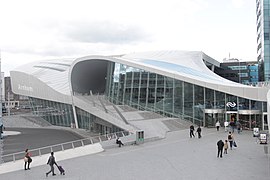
(27, 160)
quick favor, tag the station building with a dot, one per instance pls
(171, 83)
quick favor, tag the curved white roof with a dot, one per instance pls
(183, 63)
(187, 66)
(52, 72)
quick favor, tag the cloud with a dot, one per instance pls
(238, 3)
(105, 32)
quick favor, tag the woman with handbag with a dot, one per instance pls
(27, 160)
(231, 140)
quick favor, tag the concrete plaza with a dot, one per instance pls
(176, 157)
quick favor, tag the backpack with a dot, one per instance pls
(229, 137)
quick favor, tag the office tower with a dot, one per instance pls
(263, 40)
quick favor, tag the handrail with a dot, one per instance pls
(120, 114)
(154, 110)
(64, 146)
(99, 106)
(102, 104)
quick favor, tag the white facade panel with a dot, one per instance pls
(27, 85)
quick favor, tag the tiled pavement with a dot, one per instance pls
(175, 157)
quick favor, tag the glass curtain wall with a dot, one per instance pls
(85, 119)
(198, 104)
(175, 98)
(94, 124)
(56, 113)
(178, 98)
(143, 95)
(168, 96)
(188, 101)
(152, 91)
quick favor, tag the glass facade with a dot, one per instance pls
(253, 73)
(55, 113)
(61, 114)
(263, 41)
(94, 124)
(175, 98)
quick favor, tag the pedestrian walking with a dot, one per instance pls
(27, 160)
(220, 145)
(239, 127)
(199, 131)
(51, 162)
(230, 139)
(232, 125)
(226, 124)
(191, 131)
(1, 131)
(226, 146)
(217, 125)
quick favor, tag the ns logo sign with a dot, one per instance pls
(230, 104)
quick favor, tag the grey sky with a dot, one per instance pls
(42, 29)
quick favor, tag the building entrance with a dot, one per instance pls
(212, 118)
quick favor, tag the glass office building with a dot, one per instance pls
(263, 38)
(243, 72)
(171, 83)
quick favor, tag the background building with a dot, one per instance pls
(239, 71)
(263, 39)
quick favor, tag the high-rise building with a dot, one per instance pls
(263, 39)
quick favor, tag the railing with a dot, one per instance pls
(120, 114)
(184, 117)
(97, 98)
(63, 146)
(259, 84)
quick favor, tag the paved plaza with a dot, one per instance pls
(175, 157)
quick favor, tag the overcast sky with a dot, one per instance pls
(32, 30)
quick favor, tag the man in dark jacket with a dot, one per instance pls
(220, 145)
(199, 131)
(191, 131)
(51, 162)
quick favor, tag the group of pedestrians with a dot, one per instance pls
(224, 145)
(192, 129)
(221, 145)
(51, 161)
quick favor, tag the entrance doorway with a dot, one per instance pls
(212, 118)
(231, 116)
